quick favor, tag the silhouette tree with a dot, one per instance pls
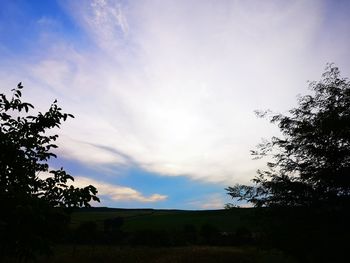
(310, 164)
(32, 207)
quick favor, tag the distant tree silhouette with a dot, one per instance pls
(310, 164)
(32, 207)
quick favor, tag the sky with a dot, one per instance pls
(164, 92)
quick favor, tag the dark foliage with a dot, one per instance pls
(307, 234)
(310, 164)
(86, 233)
(33, 208)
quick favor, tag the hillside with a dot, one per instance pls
(161, 219)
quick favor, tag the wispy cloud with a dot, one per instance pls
(88, 153)
(116, 192)
(112, 191)
(103, 20)
(173, 84)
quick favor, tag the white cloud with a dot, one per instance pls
(104, 21)
(116, 192)
(213, 201)
(88, 153)
(173, 85)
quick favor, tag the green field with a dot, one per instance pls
(170, 223)
(189, 254)
(233, 235)
(140, 219)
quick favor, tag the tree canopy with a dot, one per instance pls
(309, 164)
(32, 205)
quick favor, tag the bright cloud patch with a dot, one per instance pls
(117, 193)
(213, 201)
(114, 192)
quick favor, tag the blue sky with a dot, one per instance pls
(164, 92)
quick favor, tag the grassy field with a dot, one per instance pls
(140, 219)
(190, 254)
(234, 235)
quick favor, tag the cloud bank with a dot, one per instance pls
(116, 192)
(111, 191)
(171, 86)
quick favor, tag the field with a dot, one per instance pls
(233, 235)
(189, 254)
(141, 219)
(236, 235)
(153, 229)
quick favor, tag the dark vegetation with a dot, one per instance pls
(189, 254)
(288, 234)
(148, 235)
(165, 227)
(306, 186)
(309, 165)
(34, 209)
(301, 200)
